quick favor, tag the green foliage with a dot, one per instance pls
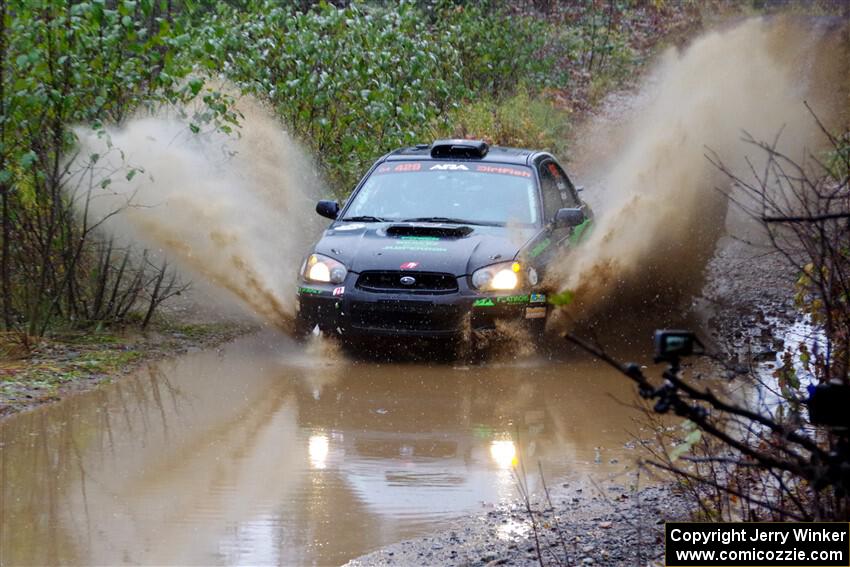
(66, 64)
(350, 82)
(520, 121)
(562, 299)
(85, 63)
(497, 48)
(357, 81)
(838, 160)
(691, 436)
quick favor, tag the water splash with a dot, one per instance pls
(234, 210)
(659, 212)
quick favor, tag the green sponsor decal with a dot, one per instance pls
(580, 231)
(512, 299)
(417, 244)
(537, 250)
(309, 290)
(508, 299)
(414, 248)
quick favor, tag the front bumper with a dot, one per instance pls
(349, 311)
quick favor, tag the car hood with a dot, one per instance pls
(459, 250)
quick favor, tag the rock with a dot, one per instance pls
(605, 525)
(765, 355)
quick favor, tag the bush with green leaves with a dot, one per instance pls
(499, 49)
(356, 81)
(522, 120)
(62, 65)
(350, 81)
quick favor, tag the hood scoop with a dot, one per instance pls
(439, 231)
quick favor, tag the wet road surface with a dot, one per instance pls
(264, 452)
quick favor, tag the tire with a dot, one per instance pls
(537, 329)
(303, 327)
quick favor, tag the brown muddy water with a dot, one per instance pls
(263, 452)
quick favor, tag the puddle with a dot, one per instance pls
(258, 454)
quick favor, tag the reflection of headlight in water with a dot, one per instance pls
(504, 453)
(318, 448)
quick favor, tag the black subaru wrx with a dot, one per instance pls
(440, 239)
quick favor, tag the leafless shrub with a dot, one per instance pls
(804, 209)
(61, 266)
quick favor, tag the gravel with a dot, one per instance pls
(608, 525)
(747, 302)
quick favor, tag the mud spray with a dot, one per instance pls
(234, 210)
(659, 212)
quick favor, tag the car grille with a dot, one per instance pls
(405, 316)
(390, 282)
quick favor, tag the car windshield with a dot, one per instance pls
(450, 192)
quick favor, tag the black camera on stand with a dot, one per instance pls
(671, 345)
(828, 403)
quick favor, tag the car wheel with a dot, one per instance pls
(303, 327)
(537, 328)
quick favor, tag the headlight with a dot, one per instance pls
(320, 268)
(502, 276)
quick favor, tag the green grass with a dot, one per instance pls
(521, 120)
(78, 359)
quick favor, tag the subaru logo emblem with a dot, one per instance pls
(407, 280)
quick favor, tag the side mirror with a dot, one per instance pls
(569, 217)
(329, 209)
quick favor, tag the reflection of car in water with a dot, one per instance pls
(421, 440)
(439, 238)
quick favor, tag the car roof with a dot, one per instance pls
(495, 154)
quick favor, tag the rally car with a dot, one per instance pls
(440, 238)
